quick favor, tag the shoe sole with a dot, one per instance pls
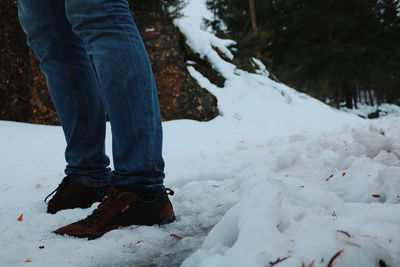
(114, 227)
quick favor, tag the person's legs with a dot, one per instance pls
(103, 29)
(73, 87)
(110, 36)
(137, 195)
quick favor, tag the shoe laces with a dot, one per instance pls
(104, 205)
(61, 187)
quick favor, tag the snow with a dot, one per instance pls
(384, 110)
(311, 196)
(278, 177)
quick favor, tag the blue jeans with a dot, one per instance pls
(94, 60)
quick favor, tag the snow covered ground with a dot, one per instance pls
(279, 179)
(384, 110)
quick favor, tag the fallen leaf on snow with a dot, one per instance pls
(21, 217)
(334, 257)
(344, 232)
(279, 260)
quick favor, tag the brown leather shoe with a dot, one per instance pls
(69, 195)
(121, 208)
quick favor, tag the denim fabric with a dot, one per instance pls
(65, 35)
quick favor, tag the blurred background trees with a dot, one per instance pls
(338, 51)
(342, 52)
(24, 95)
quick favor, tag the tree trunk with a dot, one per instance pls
(14, 66)
(348, 94)
(371, 98)
(24, 96)
(253, 18)
(356, 98)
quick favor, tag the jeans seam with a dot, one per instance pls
(144, 150)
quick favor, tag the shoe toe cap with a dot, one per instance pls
(77, 231)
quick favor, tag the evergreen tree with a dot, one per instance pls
(233, 20)
(386, 72)
(330, 49)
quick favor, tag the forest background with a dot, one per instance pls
(341, 52)
(344, 53)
